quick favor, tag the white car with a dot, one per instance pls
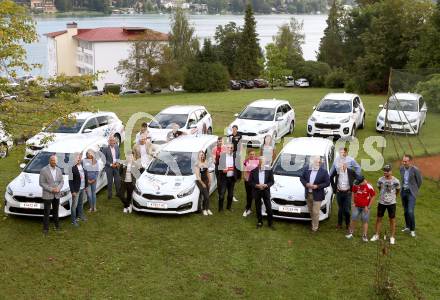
(6, 96)
(287, 194)
(6, 142)
(337, 115)
(406, 114)
(23, 194)
(191, 119)
(176, 88)
(168, 186)
(302, 82)
(101, 124)
(264, 117)
(290, 81)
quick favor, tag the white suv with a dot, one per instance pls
(6, 142)
(168, 186)
(23, 194)
(191, 119)
(287, 194)
(338, 115)
(101, 124)
(406, 114)
(264, 117)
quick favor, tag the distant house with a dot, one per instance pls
(77, 51)
(45, 6)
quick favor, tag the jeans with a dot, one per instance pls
(409, 204)
(91, 194)
(344, 205)
(76, 210)
(55, 203)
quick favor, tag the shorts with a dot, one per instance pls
(358, 212)
(391, 208)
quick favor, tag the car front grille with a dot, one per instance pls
(158, 197)
(280, 201)
(327, 126)
(397, 122)
(247, 133)
(28, 199)
(182, 207)
(35, 148)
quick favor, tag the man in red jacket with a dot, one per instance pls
(363, 194)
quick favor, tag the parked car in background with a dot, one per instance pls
(247, 84)
(176, 88)
(101, 124)
(24, 195)
(6, 142)
(261, 83)
(302, 82)
(337, 115)
(6, 96)
(168, 186)
(290, 81)
(191, 119)
(92, 93)
(264, 117)
(129, 92)
(406, 114)
(235, 85)
(288, 194)
(26, 78)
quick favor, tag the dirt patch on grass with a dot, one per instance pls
(429, 166)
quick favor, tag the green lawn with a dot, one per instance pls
(119, 256)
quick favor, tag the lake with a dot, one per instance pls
(267, 26)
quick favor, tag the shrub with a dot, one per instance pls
(112, 89)
(314, 71)
(336, 78)
(430, 90)
(206, 77)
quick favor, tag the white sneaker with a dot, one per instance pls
(349, 236)
(374, 238)
(130, 209)
(234, 199)
(245, 214)
(125, 210)
(209, 212)
(392, 240)
(406, 229)
(413, 233)
(205, 213)
(365, 238)
(249, 212)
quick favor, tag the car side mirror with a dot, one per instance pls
(235, 115)
(381, 106)
(22, 166)
(88, 130)
(424, 109)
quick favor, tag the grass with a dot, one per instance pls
(223, 256)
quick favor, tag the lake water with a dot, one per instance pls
(267, 26)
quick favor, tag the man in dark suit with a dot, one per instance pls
(227, 177)
(315, 179)
(112, 156)
(261, 179)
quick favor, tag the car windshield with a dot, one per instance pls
(334, 106)
(172, 164)
(293, 164)
(257, 113)
(163, 121)
(404, 105)
(72, 126)
(42, 159)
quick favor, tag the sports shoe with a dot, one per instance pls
(130, 209)
(245, 214)
(125, 210)
(365, 238)
(248, 212)
(406, 229)
(413, 233)
(209, 212)
(374, 238)
(234, 199)
(349, 236)
(205, 213)
(392, 240)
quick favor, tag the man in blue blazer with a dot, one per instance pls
(315, 179)
(112, 158)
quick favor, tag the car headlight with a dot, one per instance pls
(186, 192)
(381, 118)
(9, 191)
(412, 120)
(264, 131)
(137, 191)
(345, 120)
(312, 119)
(64, 193)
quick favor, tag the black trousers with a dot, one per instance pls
(263, 196)
(113, 176)
(55, 203)
(204, 191)
(344, 207)
(226, 183)
(127, 193)
(249, 195)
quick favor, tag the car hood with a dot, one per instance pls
(164, 185)
(27, 184)
(399, 116)
(287, 187)
(324, 117)
(158, 134)
(37, 139)
(251, 125)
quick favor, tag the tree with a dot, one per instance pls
(430, 90)
(330, 47)
(206, 77)
(184, 45)
(249, 51)
(228, 38)
(290, 37)
(274, 66)
(208, 52)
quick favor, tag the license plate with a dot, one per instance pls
(30, 205)
(157, 205)
(327, 132)
(290, 209)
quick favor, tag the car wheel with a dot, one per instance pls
(3, 150)
(363, 123)
(292, 127)
(209, 131)
(118, 139)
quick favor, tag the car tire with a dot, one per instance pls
(362, 126)
(118, 139)
(209, 131)
(292, 127)
(4, 151)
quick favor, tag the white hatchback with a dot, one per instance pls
(23, 194)
(406, 114)
(264, 117)
(191, 119)
(337, 115)
(168, 186)
(102, 124)
(287, 194)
